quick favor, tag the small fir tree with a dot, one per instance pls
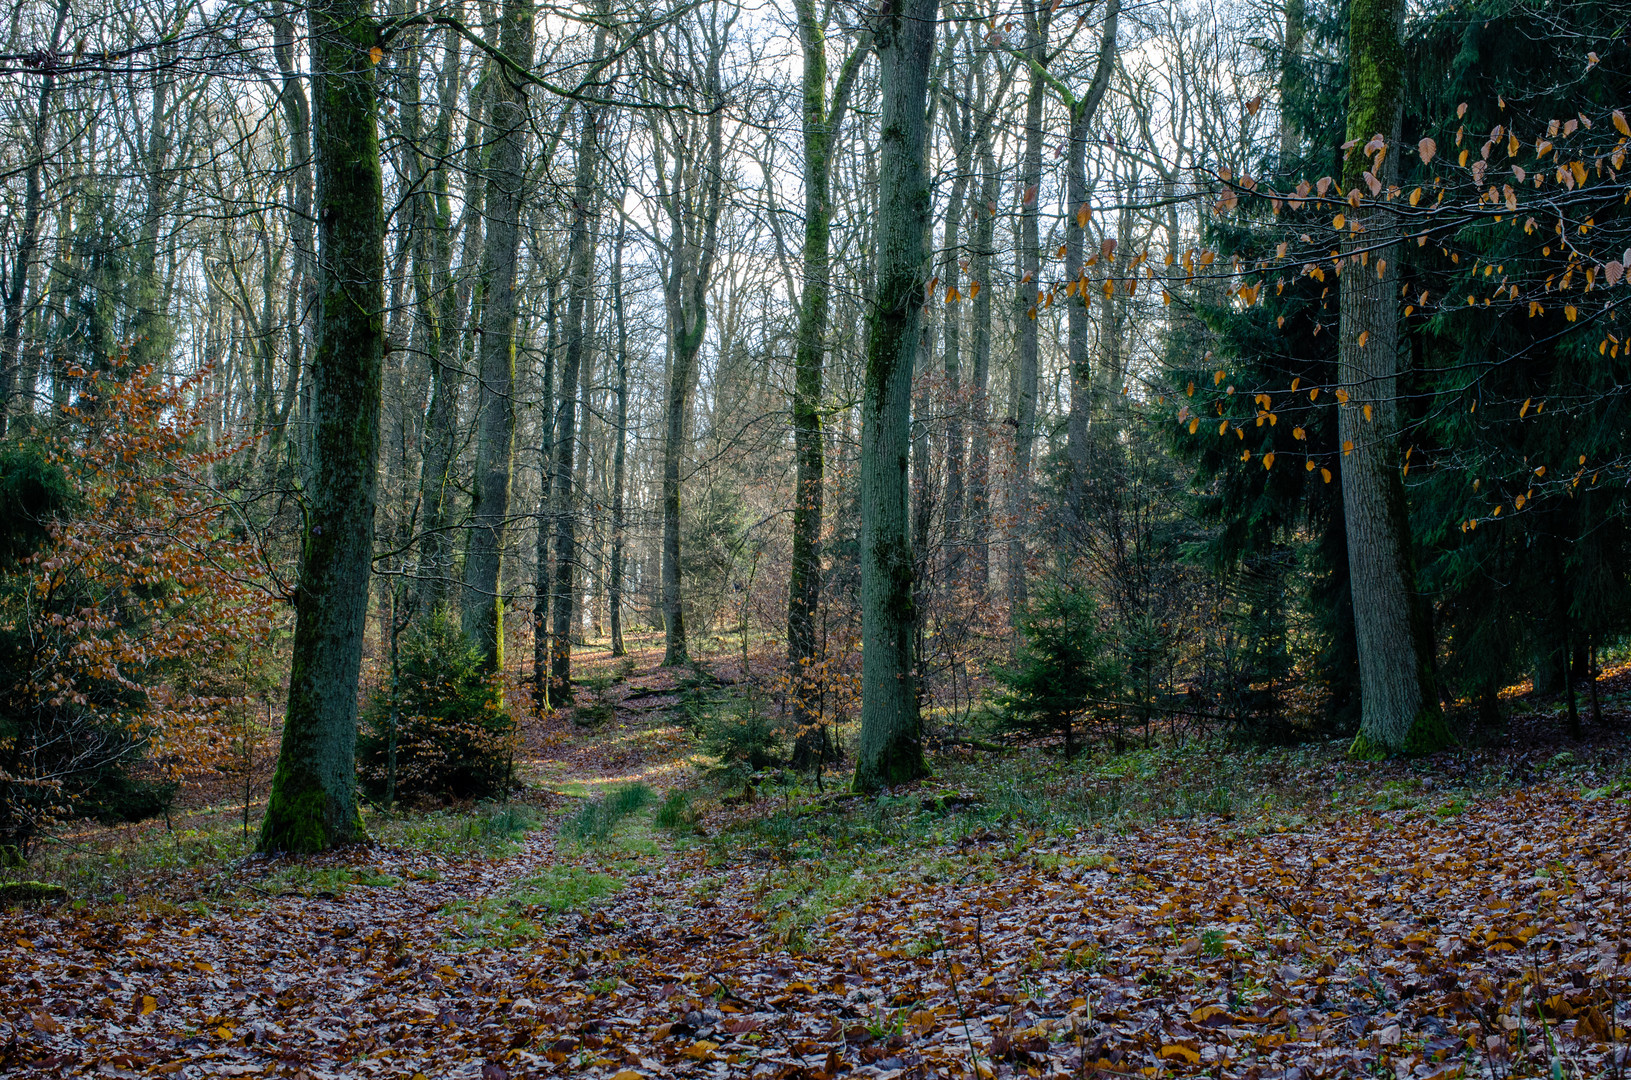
(1061, 668)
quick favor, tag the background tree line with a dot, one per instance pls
(892, 344)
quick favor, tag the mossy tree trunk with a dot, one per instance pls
(312, 805)
(1398, 706)
(891, 749)
(483, 611)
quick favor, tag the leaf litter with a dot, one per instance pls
(1488, 939)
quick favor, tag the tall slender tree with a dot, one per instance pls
(1026, 304)
(692, 199)
(823, 117)
(312, 804)
(483, 609)
(580, 256)
(620, 435)
(891, 748)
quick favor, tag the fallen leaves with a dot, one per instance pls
(1392, 939)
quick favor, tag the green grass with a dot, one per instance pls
(596, 819)
(491, 830)
(337, 881)
(520, 913)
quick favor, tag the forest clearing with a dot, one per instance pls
(815, 539)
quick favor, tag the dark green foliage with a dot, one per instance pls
(742, 738)
(1523, 592)
(1062, 668)
(454, 739)
(92, 758)
(1275, 537)
(32, 492)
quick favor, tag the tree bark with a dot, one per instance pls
(312, 805)
(543, 579)
(483, 610)
(620, 433)
(1026, 314)
(960, 120)
(1082, 113)
(820, 130)
(1291, 54)
(1398, 708)
(891, 749)
(695, 233)
(979, 451)
(580, 274)
(435, 299)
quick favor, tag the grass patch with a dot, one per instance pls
(597, 818)
(520, 913)
(676, 814)
(335, 881)
(490, 831)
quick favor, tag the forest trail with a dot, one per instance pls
(1428, 935)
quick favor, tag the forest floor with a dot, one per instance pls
(1180, 910)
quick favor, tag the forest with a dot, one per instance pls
(637, 538)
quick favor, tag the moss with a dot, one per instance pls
(299, 823)
(30, 892)
(1428, 733)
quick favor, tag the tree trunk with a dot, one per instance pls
(804, 578)
(1026, 314)
(620, 432)
(695, 233)
(979, 451)
(543, 572)
(483, 611)
(891, 750)
(1291, 54)
(960, 121)
(1399, 710)
(434, 296)
(580, 273)
(1077, 214)
(312, 805)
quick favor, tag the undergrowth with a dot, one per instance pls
(519, 913)
(597, 818)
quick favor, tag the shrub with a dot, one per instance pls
(1061, 666)
(130, 605)
(453, 738)
(744, 740)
